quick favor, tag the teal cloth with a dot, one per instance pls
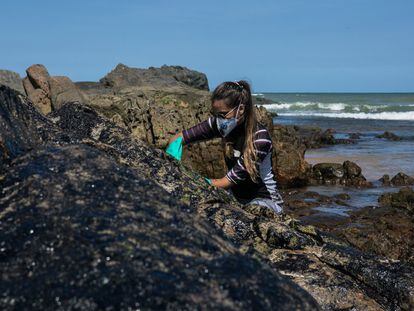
(208, 180)
(175, 149)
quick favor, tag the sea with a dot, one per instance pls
(368, 114)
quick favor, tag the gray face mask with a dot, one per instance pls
(225, 126)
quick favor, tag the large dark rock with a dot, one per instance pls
(123, 76)
(102, 166)
(81, 231)
(22, 127)
(347, 173)
(11, 79)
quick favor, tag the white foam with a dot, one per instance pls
(317, 105)
(409, 115)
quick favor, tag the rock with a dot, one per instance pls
(22, 128)
(39, 97)
(354, 135)
(402, 179)
(352, 170)
(385, 180)
(123, 76)
(348, 173)
(384, 231)
(49, 93)
(403, 199)
(11, 79)
(63, 90)
(262, 102)
(389, 136)
(291, 167)
(101, 158)
(39, 78)
(95, 234)
(314, 137)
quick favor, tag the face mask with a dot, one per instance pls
(225, 126)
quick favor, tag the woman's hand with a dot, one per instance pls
(175, 146)
(222, 183)
(175, 137)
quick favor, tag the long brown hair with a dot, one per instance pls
(239, 92)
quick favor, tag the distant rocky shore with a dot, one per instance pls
(95, 215)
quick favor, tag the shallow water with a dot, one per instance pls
(366, 114)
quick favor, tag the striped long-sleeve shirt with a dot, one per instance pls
(244, 188)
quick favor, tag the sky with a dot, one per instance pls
(278, 46)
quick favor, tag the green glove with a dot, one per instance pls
(208, 180)
(175, 149)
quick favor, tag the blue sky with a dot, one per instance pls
(291, 46)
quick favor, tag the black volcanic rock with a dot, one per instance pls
(80, 231)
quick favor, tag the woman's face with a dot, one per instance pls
(220, 108)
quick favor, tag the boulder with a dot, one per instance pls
(11, 79)
(63, 90)
(389, 136)
(402, 179)
(123, 76)
(385, 180)
(347, 173)
(49, 93)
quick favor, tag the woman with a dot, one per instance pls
(248, 146)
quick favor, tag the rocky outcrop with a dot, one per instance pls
(11, 79)
(347, 173)
(49, 93)
(400, 179)
(403, 199)
(313, 137)
(131, 209)
(389, 136)
(123, 76)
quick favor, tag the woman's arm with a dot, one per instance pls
(202, 131)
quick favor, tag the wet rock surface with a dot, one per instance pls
(94, 234)
(348, 173)
(103, 170)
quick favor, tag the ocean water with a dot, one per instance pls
(369, 114)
